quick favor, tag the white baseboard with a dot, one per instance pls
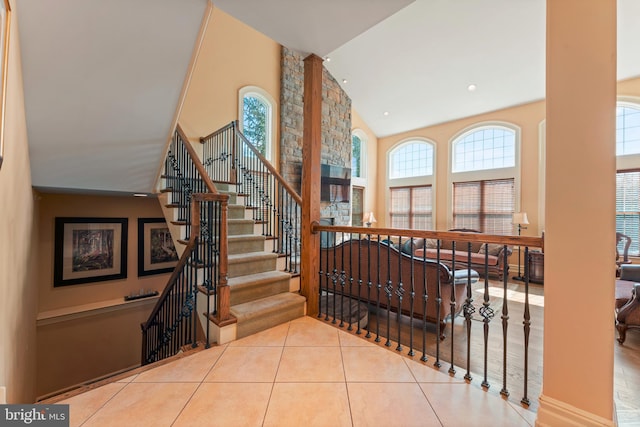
(555, 413)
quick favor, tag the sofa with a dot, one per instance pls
(372, 272)
(493, 254)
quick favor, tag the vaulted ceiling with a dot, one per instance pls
(103, 79)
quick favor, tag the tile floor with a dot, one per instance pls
(302, 373)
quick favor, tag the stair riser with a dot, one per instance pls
(238, 228)
(261, 323)
(236, 212)
(245, 294)
(237, 269)
(244, 246)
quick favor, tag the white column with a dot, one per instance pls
(579, 214)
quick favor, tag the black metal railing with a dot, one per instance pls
(203, 264)
(229, 157)
(412, 285)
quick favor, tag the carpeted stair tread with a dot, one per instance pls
(256, 286)
(251, 256)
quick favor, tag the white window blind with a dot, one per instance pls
(628, 208)
(486, 206)
(411, 207)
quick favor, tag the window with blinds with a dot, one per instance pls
(628, 208)
(486, 206)
(411, 207)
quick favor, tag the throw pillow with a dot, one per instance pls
(493, 249)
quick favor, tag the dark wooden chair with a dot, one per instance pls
(625, 252)
(627, 300)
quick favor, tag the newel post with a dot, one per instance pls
(311, 151)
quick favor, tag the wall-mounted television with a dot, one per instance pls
(335, 184)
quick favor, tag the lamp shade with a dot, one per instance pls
(520, 218)
(371, 218)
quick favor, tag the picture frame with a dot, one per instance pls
(89, 250)
(5, 24)
(156, 250)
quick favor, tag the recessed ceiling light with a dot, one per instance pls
(386, 113)
(344, 81)
(326, 58)
(471, 87)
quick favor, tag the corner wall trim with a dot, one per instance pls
(553, 412)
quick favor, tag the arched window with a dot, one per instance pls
(358, 147)
(627, 129)
(411, 159)
(489, 147)
(485, 178)
(256, 118)
(411, 185)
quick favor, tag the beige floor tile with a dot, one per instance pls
(226, 404)
(188, 369)
(322, 364)
(351, 340)
(128, 379)
(390, 404)
(246, 364)
(429, 374)
(308, 405)
(82, 406)
(144, 404)
(463, 405)
(529, 416)
(374, 364)
(307, 331)
(272, 337)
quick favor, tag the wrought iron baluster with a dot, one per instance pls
(527, 326)
(505, 324)
(469, 309)
(487, 314)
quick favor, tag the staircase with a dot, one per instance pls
(262, 294)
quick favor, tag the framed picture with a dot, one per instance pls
(89, 250)
(5, 22)
(156, 251)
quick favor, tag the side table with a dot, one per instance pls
(536, 267)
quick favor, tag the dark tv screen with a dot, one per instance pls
(335, 184)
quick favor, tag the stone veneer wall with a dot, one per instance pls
(336, 128)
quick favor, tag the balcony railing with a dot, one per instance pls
(420, 297)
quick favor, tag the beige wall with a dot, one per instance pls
(73, 351)
(77, 350)
(232, 56)
(59, 205)
(528, 118)
(18, 235)
(371, 161)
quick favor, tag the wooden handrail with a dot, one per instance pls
(234, 124)
(536, 242)
(196, 161)
(219, 131)
(191, 243)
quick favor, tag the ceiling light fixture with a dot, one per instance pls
(140, 195)
(328, 59)
(386, 113)
(471, 88)
(344, 81)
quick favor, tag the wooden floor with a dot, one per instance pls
(509, 378)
